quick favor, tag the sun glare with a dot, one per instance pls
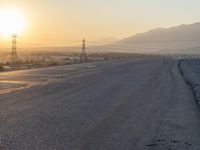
(12, 21)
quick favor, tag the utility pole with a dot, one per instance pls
(83, 57)
(13, 62)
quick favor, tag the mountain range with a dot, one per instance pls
(179, 39)
(184, 39)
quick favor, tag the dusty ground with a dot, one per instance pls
(114, 105)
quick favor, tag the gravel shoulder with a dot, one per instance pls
(190, 69)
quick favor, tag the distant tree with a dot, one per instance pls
(1, 68)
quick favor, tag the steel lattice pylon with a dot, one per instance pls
(13, 61)
(83, 57)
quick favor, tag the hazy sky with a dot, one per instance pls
(66, 20)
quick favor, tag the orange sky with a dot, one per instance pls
(65, 22)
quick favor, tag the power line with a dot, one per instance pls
(156, 41)
(83, 57)
(13, 62)
(120, 45)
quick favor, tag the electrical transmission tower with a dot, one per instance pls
(83, 57)
(13, 61)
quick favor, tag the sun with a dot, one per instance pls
(12, 21)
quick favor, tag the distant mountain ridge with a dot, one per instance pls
(179, 39)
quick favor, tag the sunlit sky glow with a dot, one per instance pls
(65, 21)
(12, 21)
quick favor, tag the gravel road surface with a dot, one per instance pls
(113, 105)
